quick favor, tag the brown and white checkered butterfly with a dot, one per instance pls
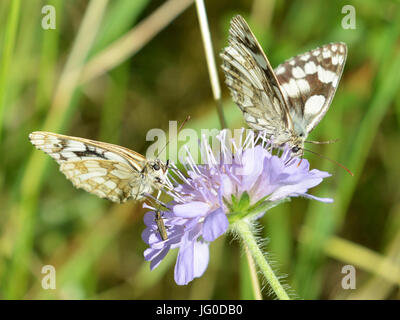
(106, 170)
(288, 102)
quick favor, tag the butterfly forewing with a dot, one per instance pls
(309, 81)
(106, 170)
(252, 82)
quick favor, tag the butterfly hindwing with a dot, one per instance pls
(309, 82)
(105, 178)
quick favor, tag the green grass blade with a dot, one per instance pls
(6, 56)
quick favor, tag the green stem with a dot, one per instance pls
(212, 69)
(243, 229)
(253, 275)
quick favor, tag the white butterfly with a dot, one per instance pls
(106, 170)
(288, 102)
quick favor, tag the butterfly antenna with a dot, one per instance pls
(331, 160)
(179, 129)
(323, 142)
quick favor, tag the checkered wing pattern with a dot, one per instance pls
(252, 82)
(309, 82)
(106, 170)
(288, 102)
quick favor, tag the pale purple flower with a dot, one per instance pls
(205, 194)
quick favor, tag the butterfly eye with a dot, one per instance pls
(295, 149)
(156, 167)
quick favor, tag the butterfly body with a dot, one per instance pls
(106, 170)
(286, 102)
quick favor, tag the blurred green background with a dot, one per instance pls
(112, 70)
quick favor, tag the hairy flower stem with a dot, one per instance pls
(243, 229)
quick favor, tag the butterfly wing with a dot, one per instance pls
(106, 170)
(309, 82)
(104, 178)
(252, 82)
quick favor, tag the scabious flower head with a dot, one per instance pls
(242, 184)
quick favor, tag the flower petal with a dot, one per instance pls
(226, 186)
(157, 259)
(184, 268)
(201, 257)
(215, 224)
(252, 167)
(309, 196)
(296, 188)
(191, 209)
(191, 263)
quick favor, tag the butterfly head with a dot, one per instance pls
(296, 151)
(158, 172)
(296, 145)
